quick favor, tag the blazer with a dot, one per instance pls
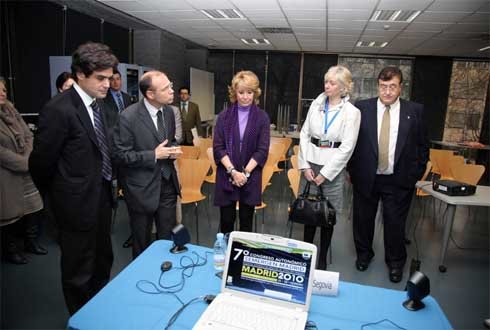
(344, 128)
(66, 161)
(134, 142)
(111, 110)
(255, 144)
(411, 151)
(190, 120)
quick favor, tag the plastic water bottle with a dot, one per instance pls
(219, 252)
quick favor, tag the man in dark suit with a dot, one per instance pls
(190, 116)
(71, 162)
(115, 101)
(389, 158)
(144, 149)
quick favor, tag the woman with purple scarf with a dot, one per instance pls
(240, 146)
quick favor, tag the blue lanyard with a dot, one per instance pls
(327, 123)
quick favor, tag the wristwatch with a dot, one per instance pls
(229, 170)
(247, 174)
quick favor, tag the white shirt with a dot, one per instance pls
(153, 113)
(87, 101)
(345, 129)
(394, 122)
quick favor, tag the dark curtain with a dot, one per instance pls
(117, 38)
(81, 28)
(430, 87)
(255, 62)
(221, 64)
(283, 84)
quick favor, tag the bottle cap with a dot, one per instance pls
(219, 235)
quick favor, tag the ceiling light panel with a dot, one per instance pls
(223, 14)
(393, 16)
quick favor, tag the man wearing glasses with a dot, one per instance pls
(390, 156)
(71, 161)
(145, 149)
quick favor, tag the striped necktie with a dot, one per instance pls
(120, 103)
(384, 141)
(102, 141)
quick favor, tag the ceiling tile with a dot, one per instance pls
(352, 4)
(295, 4)
(349, 14)
(208, 4)
(166, 5)
(129, 5)
(441, 17)
(404, 5)
(480, 18)
(429, 27)
(307, 22)
(346, 24)
(457, 5)
(305, 14)
(384, 26)
(469, 27)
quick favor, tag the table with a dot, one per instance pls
(456, 145)
(480, 198)
(119, 305)
(294, 134)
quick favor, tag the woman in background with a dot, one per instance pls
(64, 81)
(18, 195)
(327, 141)
(240, 146)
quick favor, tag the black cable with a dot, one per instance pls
(383, 320)
(187, 266)
(174, 317)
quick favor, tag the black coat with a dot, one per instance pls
(411, 152)
(66, 161)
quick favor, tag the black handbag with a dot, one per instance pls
(313, 210)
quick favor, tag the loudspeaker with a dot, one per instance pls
(418, 287)
(180, 235)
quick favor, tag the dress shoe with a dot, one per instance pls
(16, 258)
(32, 245)
(396, 274)
(362, 265)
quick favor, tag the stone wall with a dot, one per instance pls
(466, 102)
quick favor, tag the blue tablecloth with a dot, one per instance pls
(120, 305)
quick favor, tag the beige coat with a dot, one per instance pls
(13, 172)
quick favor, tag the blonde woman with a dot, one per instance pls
(240, 146)
(327, 140)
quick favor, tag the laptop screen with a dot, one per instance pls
(269, 270)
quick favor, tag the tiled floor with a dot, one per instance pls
(31, 296)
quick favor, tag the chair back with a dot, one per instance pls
(203, 144)
(275, 152)
(294, 161)
(468, 173)
(267, 173)
(191, 178)
(428, 168)
(189, 152)
(286, 141)
(211, 178)
(440, 158)
(294, 176)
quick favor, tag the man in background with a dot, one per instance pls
(115, 101)
(145, 149)
(191, 118)
(71, 161)
(390, 156)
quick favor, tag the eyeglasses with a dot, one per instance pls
(391, 87)
(164, 89)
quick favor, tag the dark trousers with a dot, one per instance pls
(325, 240)
(86, 256)
(396, 203)
(228, 215)
(164, 217)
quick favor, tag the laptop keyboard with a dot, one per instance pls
(246, 318)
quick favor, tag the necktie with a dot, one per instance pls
(184, 110)
(384, 141)
(120, 103)
(102, 141)
(164, 165)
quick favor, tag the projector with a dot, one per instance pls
(453, 188)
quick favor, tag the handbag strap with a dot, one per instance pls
(306, 190)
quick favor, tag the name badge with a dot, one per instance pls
(325, 283)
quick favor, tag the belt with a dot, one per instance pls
(331, 144)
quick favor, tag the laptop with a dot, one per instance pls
(267, 284)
